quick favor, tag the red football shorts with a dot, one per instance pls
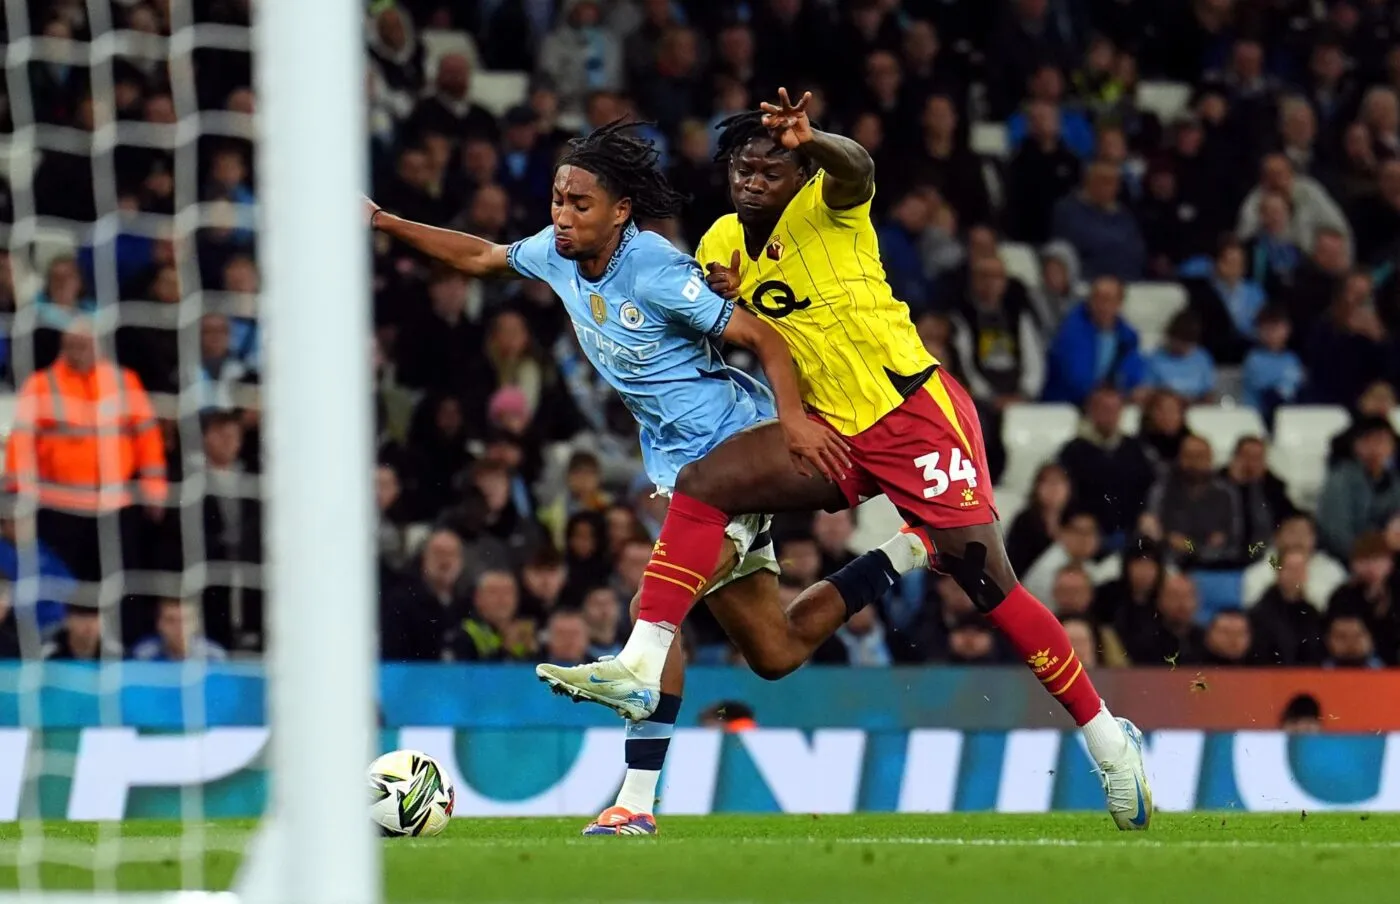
(927, 456)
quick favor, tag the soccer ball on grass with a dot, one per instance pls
(410, 794)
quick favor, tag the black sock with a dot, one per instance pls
(647, 741)
(864, 580)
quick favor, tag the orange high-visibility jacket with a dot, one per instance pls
(80, 439)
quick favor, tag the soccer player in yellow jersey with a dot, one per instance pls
(800, 252)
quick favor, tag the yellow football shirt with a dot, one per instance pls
(820, 283)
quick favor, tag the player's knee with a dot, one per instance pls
(969, 571)
(772, 668)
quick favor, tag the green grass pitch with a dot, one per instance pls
(983, 858)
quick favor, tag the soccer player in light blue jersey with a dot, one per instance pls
(650, 325)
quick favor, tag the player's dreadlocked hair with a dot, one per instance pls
(628, 167)
(741, 128)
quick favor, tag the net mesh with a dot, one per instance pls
(128, 160)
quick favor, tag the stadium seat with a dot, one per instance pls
(1167, 100)
(499, 91)
(989, 139)
(1010, 503)
(51, 243)
(7, 413)
(439, 42)
(1223, 427)
(1131, 421)
(1021, 262)
(1302, 437)
(1149, 307)
(1217, 591)
(1395, 419)
(1033, 435)
(876, 521)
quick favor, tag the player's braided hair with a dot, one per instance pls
(628, 167)
(741, 128)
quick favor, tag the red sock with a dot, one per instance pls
(1041, 641)
(683, 560)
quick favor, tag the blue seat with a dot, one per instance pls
(1217, 591)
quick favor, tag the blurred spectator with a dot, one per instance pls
(730, 717)
(1313, 207)
(1059, 290)
(603, 613)
(491, 630)
(1329, 87)
(583, 492)
(632, 560)
(997, 337)
(1377, 218)
(1037, 525)
(1349, 644)
(441, 336)
(801, 558)
(1094, 345)
(1273, 374)
(1287, 625)
(449, 109)
(1227, 304)
(1102, 231)
(1042, 172)
(1111, 472)
(1349, 348)
(1262, 498)
(84, 452)
(1193, 512)
(946, 163)
(415, 616)
(971, 642)
(1168, 636)
(1229, 639)
(221, 374)
(1163, 428)
(1181, 365)
(1380, 114)
(1296, 534)
(1302, 715)
(1272, 256)
(863, 637)
(580, 55)
(396, 58)
(1135, 590)
(1377, 401)
(178, 637)
(1297, 129)
(398, 535)
(1168, 221)
(1030, 33)
(543, 579)
(901, 248)
(233, 536)
(673, 90)
(1360, 495)
(1047, 86)
(566, 640)
(1370, 596)
(1077, 545)
(1072, 593)
(9, 627)
(527, 164)
(82, 637)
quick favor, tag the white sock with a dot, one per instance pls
(638, 794)
(906, 552)
(1104, 736)
(646, 649)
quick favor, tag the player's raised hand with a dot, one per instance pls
(788, 121)
(819, 446)
(724, 281)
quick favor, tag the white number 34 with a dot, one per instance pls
(938, 480)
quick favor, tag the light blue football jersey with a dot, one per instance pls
(648, 325)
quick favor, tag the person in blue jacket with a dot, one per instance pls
(1094, 346)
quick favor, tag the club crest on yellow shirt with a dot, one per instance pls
(775, 249)
(600, 308)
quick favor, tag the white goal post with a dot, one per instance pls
(316, 844)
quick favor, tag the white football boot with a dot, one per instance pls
(1125, 783)
(606, 681)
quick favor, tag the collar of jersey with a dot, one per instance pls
(629, 232)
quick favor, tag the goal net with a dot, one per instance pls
(186, 576)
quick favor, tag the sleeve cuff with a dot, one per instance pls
(725, 315)
(511, 254)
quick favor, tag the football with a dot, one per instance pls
(410, 794)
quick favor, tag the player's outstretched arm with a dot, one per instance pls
(471, 254)
(850, 171)
(807, 440)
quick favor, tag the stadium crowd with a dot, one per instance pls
(514, 517)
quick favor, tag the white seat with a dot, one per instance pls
(1302, 439)
(499, 91)
(51, 243)
(1224, 427)
(7, 413)
(989, 139)
(1033, 435)
(1010, 503)
(1131, 421)
(439, 42)
(1149, 307)
(1021, 262)
(1167, 100)
(1395, 419)
(876, 521)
